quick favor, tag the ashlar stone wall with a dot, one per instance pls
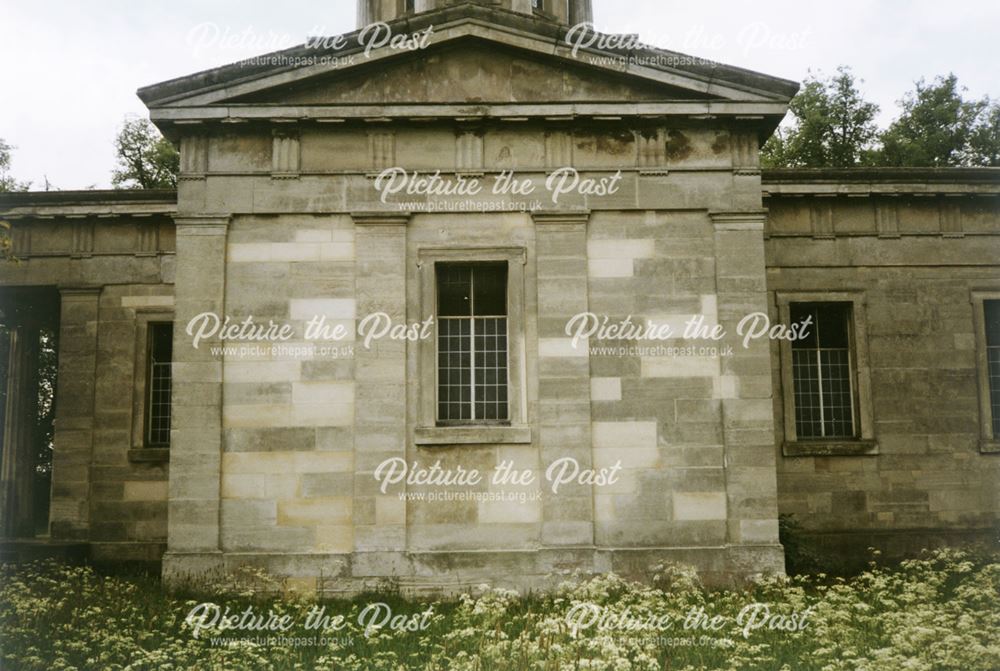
(918, 256)
(303, 233)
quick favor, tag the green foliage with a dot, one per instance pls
(984, 140)
(938, 613)
(7, 184)
(146, 160)
(7, 181)
(936, 128)
(833, 126)
(6, 242)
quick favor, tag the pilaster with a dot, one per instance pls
(745, 385)
(380, 380)
(196, 422)
(564, 418)
(73, 441)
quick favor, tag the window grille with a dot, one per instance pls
(823, 372)
(992, 321)
(158, 381)
(472, 343)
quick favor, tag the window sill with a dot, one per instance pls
(989, 446)
(429, 436)
(822, 448)
(149, 455)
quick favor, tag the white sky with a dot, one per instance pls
(70, 68)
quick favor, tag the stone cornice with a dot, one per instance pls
(99, 204)
(859, 182)
(564, 111)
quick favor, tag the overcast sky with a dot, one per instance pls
(70, 68)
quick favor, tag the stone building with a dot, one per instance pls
(554, 179)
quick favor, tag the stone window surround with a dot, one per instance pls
(988, 442)
(139, 452)
(427, 433)
(866, 443)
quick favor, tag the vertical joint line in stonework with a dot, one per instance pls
(286, 153)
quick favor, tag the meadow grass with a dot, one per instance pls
(936, 613)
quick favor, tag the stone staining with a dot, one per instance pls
(382, 149)
(887, 218)
(652, 150)
(285, 155)
(744, 152)
(194, 157)
(950, 213)
(558, 149)
(821, 218)
(469, 150)
(83, 238)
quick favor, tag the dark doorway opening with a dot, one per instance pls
(29, 332)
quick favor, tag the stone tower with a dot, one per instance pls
(562, 11)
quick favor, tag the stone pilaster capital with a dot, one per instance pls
(202, 224)
(749, 220)
(376, 218)
(561, 218)
(78, 291)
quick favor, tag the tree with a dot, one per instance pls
(984, 141)
(7, 181)
(833, 126)
(6, 243)
(146, 160)
(935, 128)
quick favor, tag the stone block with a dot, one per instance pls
(620, 249)
(509, 512)
(624, 435)
(680, 366)
(245, 513)
(610, 268)
(327, 511)
(334, 538)
(606, 389)
(699, 505)
(331, 308)
(563, 348)
(145, 491)
(257, 486)
(389, 510)
(318, 485)
(262, 371)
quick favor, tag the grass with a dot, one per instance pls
(937, 613)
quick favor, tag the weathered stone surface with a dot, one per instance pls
(274, 450)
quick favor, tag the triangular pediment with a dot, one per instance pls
(472, 55)
(469, 71)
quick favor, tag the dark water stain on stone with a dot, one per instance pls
(678, 146)
(721, 143)
(615, 143)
